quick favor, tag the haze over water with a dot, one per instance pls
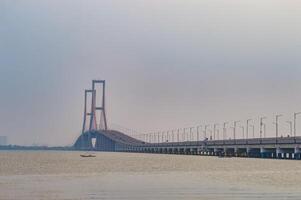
(168, 64)
(65, 175)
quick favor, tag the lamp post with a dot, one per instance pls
(295, 125)
(253, 130)
(210, 131)
(191, 133)
(184, 134)
(149, 137)
(153, 138)
(225, 130)
(277, 119)
(247, 131)
(234, 132)
(206, 131)
(261, 125)
(198, 132)
(178, 135)
(214, 130)
(167, 136)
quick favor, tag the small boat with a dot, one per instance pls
(88, 156)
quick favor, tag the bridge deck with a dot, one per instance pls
(111, 140)
(266, 148)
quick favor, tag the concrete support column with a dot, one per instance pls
(297, 153)
(217, 151)
(236, 152)
(263, 152)
(279, 153)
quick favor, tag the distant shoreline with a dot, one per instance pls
(17, 147)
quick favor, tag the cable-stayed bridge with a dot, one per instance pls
(199, 140)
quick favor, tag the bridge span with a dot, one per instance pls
(282, 148)
(97, 136)
(115, 141)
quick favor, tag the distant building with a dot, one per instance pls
(3, 140)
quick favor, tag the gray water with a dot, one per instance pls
(65, 175)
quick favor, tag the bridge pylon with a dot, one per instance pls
(97, 105)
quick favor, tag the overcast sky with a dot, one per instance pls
(168, 64)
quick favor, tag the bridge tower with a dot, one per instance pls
(96, 106)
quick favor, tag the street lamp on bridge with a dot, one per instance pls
(191, 133)
(184, 134)
(234, 131)
(198, 132)
(261, 125)
(210, 131)
(233, 128)
(205, 133)
(214, 130)
(225, 130)
(173, 135)
(167, 136)
(247, 129)
(277, 124)
(295, 124)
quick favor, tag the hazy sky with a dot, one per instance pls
(168, 64)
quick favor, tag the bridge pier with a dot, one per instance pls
(218, 151)
(266, 153)
(279, 153)
(210, 151)
(194, 151)
(241, 152)
(284, 153)
(253, 152)
(297, 153)
(229, 152)
(187, 151)
(200, 151)
(181, 150)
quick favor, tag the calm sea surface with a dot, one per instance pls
(65, 175)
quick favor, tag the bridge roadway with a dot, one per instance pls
(110, 140)
(282, 148)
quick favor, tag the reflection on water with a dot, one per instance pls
(65, 175)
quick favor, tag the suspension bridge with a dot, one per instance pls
(199, 140)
